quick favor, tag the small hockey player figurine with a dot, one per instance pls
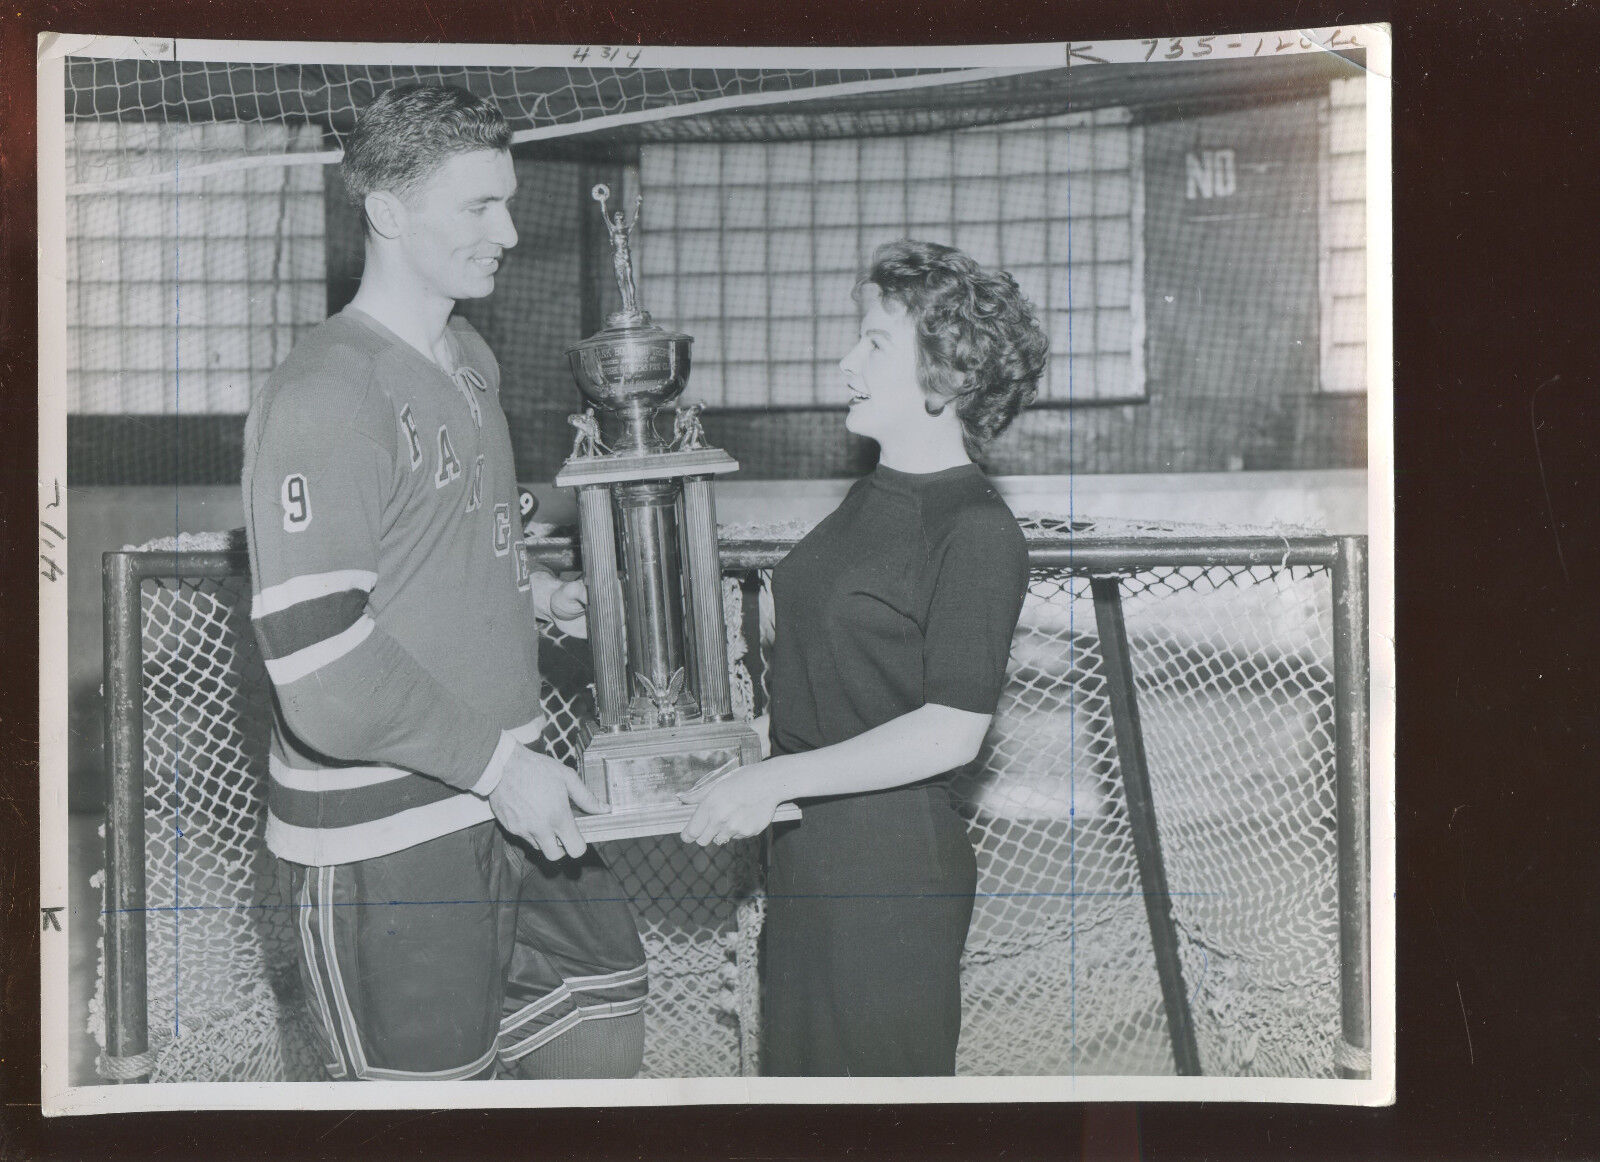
(586, 440)
(687, 434)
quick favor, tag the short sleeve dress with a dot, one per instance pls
(906, 595)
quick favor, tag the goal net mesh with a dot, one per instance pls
(1234, 683)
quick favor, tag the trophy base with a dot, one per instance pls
(653, 821)
(640, 773)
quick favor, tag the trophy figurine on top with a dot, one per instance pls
(664, 717)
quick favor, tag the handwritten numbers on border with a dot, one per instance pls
(49, 568)
(1176, 48)
(622, 55)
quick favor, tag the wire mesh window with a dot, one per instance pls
(183, 295)
(1344, 238)
(753, 248)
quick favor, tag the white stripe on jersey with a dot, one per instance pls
(293, 667)
(330, 778)
(321, 846)
(524, 735)
(308, 587)
(495, 770)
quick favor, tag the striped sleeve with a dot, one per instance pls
(318, 471)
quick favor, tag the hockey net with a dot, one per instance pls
(1233, 670)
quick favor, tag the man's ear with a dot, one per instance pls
(385, 213)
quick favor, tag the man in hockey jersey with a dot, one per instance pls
(452, 923)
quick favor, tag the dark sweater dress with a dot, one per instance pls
(905, 595)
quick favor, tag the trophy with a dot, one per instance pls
(664, 716)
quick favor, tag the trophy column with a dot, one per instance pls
(605, 604)
(705, 598)
(652, 592)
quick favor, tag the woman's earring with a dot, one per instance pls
(927, 406)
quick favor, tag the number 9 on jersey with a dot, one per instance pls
(296, 497)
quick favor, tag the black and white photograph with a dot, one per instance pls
(622, 575)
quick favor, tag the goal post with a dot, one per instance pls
(1169, 814)
(1352, 697)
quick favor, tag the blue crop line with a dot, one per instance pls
(1072, 663)
(652, 899)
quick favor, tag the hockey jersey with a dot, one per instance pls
(390, 590)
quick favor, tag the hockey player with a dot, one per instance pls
(453, 924)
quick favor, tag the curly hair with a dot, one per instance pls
(408, 132)
(979, 343)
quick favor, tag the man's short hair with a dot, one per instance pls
(407, 133)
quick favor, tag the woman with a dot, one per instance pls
(894, 623)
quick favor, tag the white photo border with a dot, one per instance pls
(61, 1098)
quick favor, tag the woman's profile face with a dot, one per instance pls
(880, 372)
